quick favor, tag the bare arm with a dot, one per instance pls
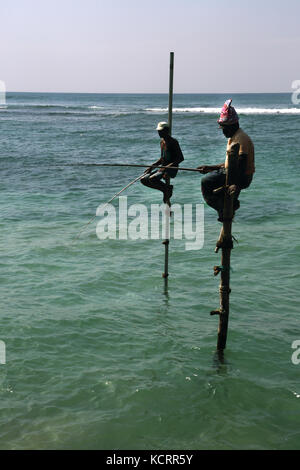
(158, 162)
(242, 164)
(208, 168)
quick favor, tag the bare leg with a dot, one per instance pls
(154, 181)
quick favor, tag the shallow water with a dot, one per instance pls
(97, 355)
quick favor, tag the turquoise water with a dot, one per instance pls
(98, 355)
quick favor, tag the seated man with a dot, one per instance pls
(170, 155)
(216, 177)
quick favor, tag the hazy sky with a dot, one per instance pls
(124, 45)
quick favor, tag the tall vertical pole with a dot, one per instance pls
(166, 241)
(171, 91)
(225, 242)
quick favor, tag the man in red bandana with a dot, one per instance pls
(216, 175)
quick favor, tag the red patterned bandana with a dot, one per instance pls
(228, 114)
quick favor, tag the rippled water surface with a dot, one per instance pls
(98, 355)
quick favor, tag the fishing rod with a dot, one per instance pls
(108, 202)
(136, 166)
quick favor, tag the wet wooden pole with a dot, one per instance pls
(226, 244)
(166, 241)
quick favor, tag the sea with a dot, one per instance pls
(97, 351)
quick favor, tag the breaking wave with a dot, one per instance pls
(115, 111)
(218, 110)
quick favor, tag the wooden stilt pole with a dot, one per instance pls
(171, 91)
(225, 242)
(166, 241)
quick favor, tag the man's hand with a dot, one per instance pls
(204, 169)
(232, 189)
(208, 168)
(148, 170)
(153, 166)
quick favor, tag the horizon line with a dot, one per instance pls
(156, 93)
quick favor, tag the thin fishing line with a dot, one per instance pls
(108, 202)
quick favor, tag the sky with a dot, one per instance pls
(123, 46)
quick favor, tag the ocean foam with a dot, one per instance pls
(218, 110)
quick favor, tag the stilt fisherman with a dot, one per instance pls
(170, 154)
(216, 174)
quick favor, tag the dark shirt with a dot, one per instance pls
(171, 153)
